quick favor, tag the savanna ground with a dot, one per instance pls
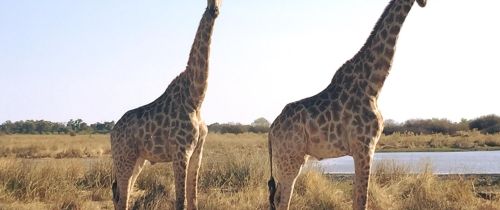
(64, 172)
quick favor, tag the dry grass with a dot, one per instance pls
(234, 174)
(54, 146)
(59, 184)
(84, 146)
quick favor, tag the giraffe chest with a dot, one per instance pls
(156, 147)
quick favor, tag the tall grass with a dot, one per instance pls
(54, 146)
(97, 145)
(233, 175)
(62, 184)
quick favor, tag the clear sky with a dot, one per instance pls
(96, 59)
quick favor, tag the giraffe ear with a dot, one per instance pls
(422, 3)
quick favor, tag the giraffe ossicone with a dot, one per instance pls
(169, 129)
(341, 120)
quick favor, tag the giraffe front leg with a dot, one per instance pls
(362, 164)
(180, 171)
(193, 169)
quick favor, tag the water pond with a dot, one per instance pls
(477, 162)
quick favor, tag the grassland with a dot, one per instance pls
(89, 146)
(63, 172)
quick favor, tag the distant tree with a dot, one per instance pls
(430, 126)
(258, 129)
(391, 126)
(105, 127)
(71, 124)
(84, 128)
(46, 127)
(214, 128)
(261, 122)
(42, 126)
(7, 127)
(486, 124)
(234, 128)
(59, 128)
(260, 125)
(463, 125)
(28, 127)
(76, 125)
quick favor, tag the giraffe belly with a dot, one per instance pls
(157, 157)
(325, 144)
(326, 150)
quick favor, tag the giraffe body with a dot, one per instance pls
(170, 129)
(341, 120)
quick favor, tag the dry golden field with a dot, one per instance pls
(64, 172)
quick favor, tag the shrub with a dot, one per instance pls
(391, 127)
(314, 190)
(70, 153)
(492, 142)
(492, 129)
(431, 126)
(97, 176)
(233, 174)
(388, 172)
(486, 124)
(156, 197)
(24, 181)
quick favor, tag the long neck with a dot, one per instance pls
(377, 53)
(197, 68)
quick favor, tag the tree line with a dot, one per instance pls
(260, 125)
(72, 127)
(488, 124)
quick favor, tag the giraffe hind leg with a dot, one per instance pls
(116, 194)
(124, 170)
(290, 166)
(139, 165)
(271, 184)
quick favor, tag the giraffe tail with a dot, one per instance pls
(114, 189)
(272, 191)
(271, 184)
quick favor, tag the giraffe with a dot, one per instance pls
(170, 128)
(341, 120)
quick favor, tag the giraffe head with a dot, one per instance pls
(422, 3)
(213, 7)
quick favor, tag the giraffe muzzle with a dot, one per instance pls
(422, 3)
(213, 7)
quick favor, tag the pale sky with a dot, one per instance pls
(96, 59)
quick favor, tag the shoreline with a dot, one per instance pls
(441, 149)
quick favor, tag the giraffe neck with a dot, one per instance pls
(196, 71)
(377, 53)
